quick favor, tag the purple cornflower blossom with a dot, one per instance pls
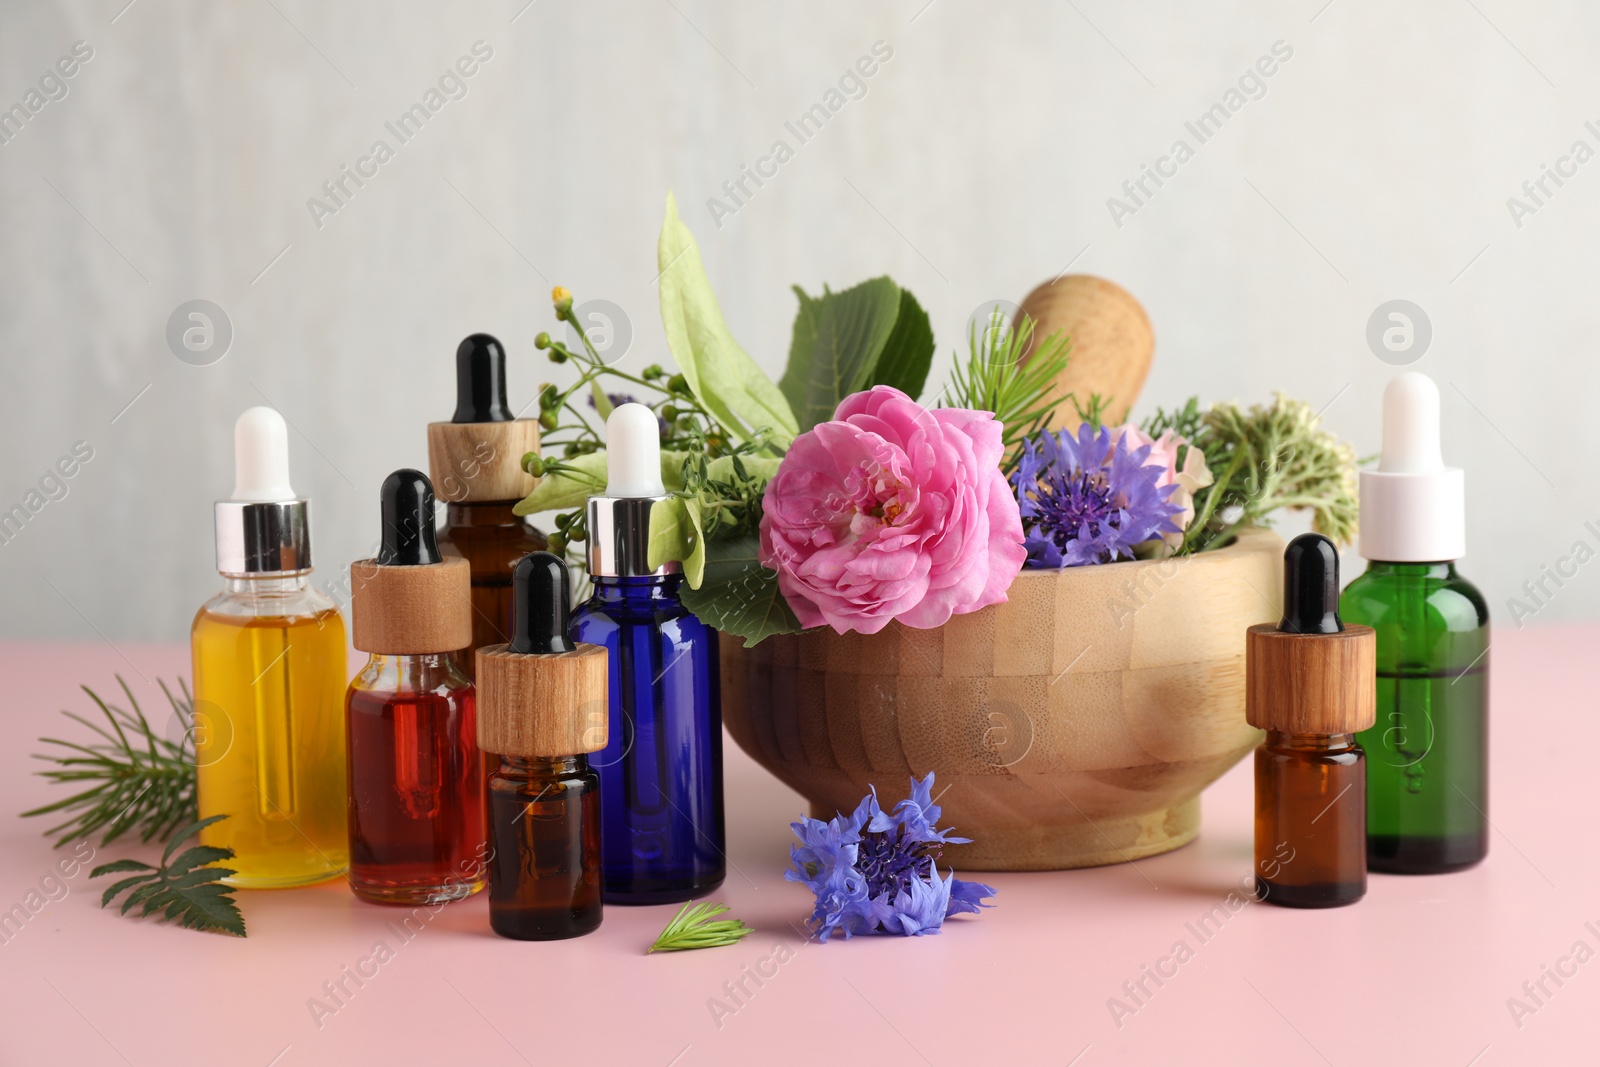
(877, 872)
(1085, 500)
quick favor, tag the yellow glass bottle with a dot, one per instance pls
(269, 678)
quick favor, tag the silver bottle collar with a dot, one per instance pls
(263, 538)
(619, 538)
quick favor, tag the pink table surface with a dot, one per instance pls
(1420, 972)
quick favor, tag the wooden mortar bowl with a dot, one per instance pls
(1072, 726)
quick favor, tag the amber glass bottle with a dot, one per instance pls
(543, 707)
(491, 538)
(476, 463)
(1310, 682)
(545, 815)
(1311, 794)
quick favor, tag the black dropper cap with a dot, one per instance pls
(408, 537)
(1310, 586)
(481, 381)
(540, 595)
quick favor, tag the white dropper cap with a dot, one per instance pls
(633, 453)
(261, 457)
(1413, 507)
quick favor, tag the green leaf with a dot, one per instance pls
(676, 534)
(761, 468)
(566, 489)
(118, 866)
(739, 596)
(908, 353)
(118, 887)
(187, 890)
(602, 403)
(720, 374)
(835, 346)
(693, 928)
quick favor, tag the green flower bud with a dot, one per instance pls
(548, 420)
(557, 356)
(558, 544)
(541, 341)
(678, 384)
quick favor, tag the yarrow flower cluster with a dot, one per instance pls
(877, 871)
(1087, 498)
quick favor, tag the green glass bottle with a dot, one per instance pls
(1428, 752)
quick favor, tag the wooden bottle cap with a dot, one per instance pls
(547, 706)
(1311, 683)
(411, 611)
(474, 462)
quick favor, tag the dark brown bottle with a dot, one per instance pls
(542, 706)
(476, 463)
(544, 871)
(1311, 683)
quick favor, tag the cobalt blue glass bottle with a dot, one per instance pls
(661, 772)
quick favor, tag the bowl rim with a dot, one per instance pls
(1249, 539)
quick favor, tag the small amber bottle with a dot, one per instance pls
(475, 460)
(543, 708)
(1311, 684)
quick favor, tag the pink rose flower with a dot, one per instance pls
(1191, 477)
(892, 511)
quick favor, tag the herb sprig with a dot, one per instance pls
(137, 780)
(187, 890)
(697, 926)
(1000, 376)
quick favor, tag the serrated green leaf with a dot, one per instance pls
(835, 346)
(118, 866)
(739, 596)
(196, 857)
(719, 373)
(908, 353)
(187, 890)
(126, 883)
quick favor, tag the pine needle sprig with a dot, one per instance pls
(136, 779)
(693, 927)
(1001, 376)
(187, 890)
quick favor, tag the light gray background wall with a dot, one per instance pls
(978, 163)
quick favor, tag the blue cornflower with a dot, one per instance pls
(1085, 500)
(877, 872)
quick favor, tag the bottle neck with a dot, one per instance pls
(483, 513)
(425, 673)
(1280, 739)
(263, 585)
(662, 587)
(1442, 570)
(540, 767)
